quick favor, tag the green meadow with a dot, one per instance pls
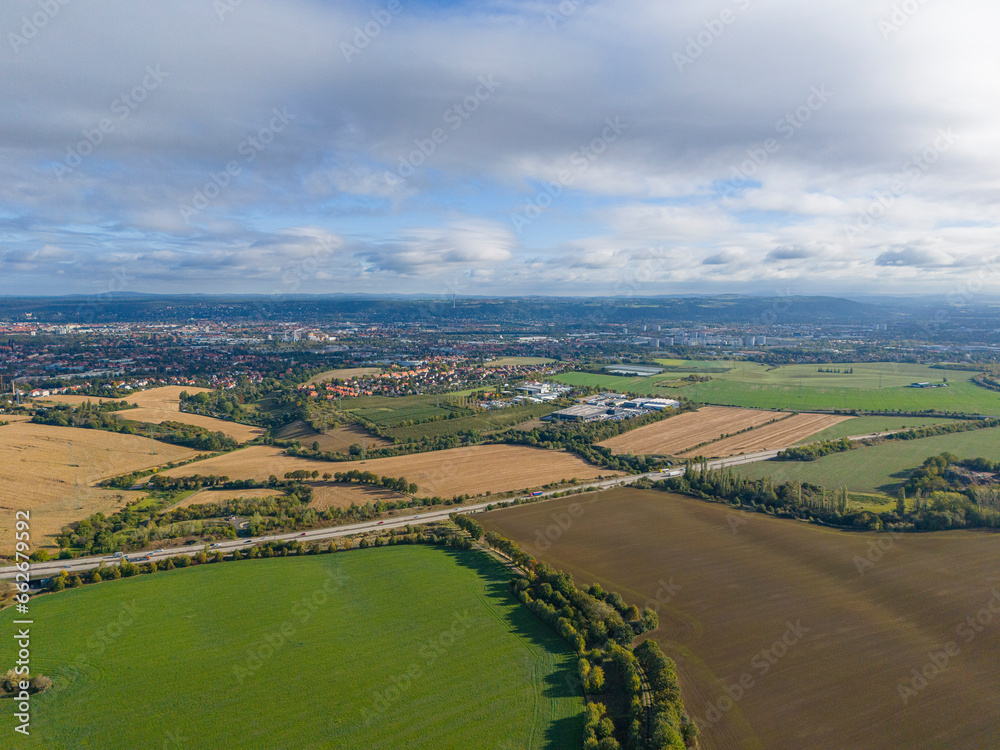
(407, 646)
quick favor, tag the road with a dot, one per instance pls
(50, 568)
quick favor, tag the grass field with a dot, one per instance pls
(457, 471)
(872, 387)
(768, 437)
(484, 422)
(50, 471)
(386, 411)
(869, 425)
(880, 468)
(674, 435)
(427, 643)
(337, 439)
(164, 397)
(727, 585)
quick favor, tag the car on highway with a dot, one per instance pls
(380, 523)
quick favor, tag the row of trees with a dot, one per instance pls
(939, 510)
(600, 627)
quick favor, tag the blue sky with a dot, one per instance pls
(575, 147)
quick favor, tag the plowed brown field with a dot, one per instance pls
(50, 471)
(782, 607)
(769, 437)
(671, 436)
(472, 470)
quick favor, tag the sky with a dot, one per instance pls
(582, 147)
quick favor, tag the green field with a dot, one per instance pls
(872, 387)
(386, 411)
(485, 422)
(869, 425)
(396, 647)
(880, 468)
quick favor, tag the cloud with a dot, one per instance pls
(99, 156)
(911, 256)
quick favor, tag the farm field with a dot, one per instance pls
(769, 437)
(730, 586)
(337, 439)
(334, 495)
(12, 418)
(872, 387)
(479, 663)
(343, 374)
(164, 397)
(457, 471)
(880, 468)
(205, 496)
(386, 411)
(162, 404)
(674, 435)
(870, 425)
(242, 433)
(483, 422)
(42, 468)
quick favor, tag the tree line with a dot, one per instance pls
(600, 626)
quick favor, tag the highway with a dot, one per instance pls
(50, 568)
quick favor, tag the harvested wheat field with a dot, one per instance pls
(457, 471)
(164, 397)
(205, 497)
(769, 437)
(783, 639)
(240, 432)
(163, 405)
(12, 418)
(339, 495)
(671, 436)
(43, 469)
(336, 439)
